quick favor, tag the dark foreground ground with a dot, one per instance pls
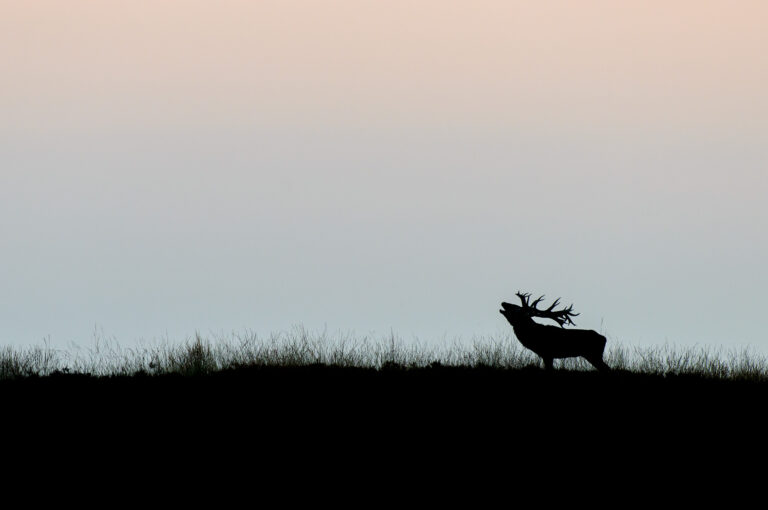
(394, 430)
(359, 437)
(315, 398)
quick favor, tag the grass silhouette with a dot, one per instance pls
(299, 348)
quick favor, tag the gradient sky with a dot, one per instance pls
(169, 167)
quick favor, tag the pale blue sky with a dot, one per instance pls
(361, 181)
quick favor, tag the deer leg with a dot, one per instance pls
(598, 363)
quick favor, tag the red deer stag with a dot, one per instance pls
(551, 342)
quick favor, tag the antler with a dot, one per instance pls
(562, 317)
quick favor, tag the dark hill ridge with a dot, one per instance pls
(467, 413)
(393, 389)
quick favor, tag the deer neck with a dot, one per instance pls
(525, 330)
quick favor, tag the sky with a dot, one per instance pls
(366, 167)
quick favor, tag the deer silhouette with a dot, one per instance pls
(552, 342)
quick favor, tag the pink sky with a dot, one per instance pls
(590, 64)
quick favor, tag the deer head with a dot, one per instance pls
(515, 313)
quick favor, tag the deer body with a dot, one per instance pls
(552, 342)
